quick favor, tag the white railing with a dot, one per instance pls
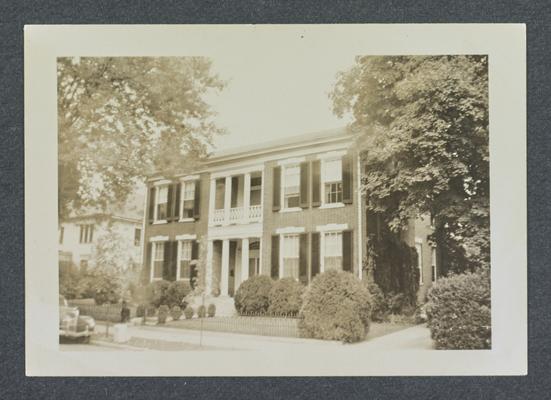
(255, 213)
(236, 214)
(218, 216)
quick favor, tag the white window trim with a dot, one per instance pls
(158, 239)
(335, 156)
(162, 182)
(419, 242)
(289, 230)
(189, 178)
(152, 265)
(281, 244)
(291, 209)
(332, 228)
(284, 209)
(181, 205)
(331, 205)
(157, 191)
(322, 242)
(186, 237)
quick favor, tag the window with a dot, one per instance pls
(291, 189)
(185, 258)
(332, 178)
(86, 233)
(137, 236)
(332, 251)
(188, 199)
(433, 263)
(162, 203)
(419, 248)
(158, 260)
(290, 253)
(61, 233)
(256, 190)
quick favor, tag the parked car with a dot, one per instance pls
(73, 325)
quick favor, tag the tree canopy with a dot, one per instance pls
(422, 123)
(122, 118)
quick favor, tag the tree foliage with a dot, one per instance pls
(121, 118)
(422, 122)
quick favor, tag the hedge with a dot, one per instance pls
(285, 297)
(253, 295)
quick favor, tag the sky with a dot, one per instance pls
(276, 93)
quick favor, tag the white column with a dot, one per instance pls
(247, 197)
(209, 272)
(244, 259)
(212, 198)
(227, 200)
(224, 278)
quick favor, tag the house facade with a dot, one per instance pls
(288, 208)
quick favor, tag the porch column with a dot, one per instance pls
(244, 259)
(224, 278)
(209, 272)
(212, 199)
(227, 200)
(247, 197)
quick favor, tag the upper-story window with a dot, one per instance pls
(333, 251)
(86, 233)
(188, 199)
(162, 203)
(332, 180)
(256, 190)
(291, 186)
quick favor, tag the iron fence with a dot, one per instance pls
(105, 312)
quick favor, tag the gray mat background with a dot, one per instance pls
(14, 15)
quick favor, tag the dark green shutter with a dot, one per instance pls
(197, 200)
(147, 266)
(195, 250)
(170, 203)
(176, 212)
(151, 203)
(347, 175)
(316, 183)
(347, 251)
(166, 260)
(304, 175)
(276, 201)
(275, 257)
(173, 260)
(303, 259)
(315, 250)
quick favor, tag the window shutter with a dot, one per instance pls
(315, 248)
(178, 192)
(147, 266)
(275, 257)
(195, 250)
(304, 175)
(316, 183)
(170, 203)
(276, 203)
(151, 202)
(303, 259)
(197, 200)
(166, 260)
(173, 260)
(347, 175)
(347, 251)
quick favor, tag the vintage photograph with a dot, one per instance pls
(191, 218)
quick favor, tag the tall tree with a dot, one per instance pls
(121, 118)
(422, 122)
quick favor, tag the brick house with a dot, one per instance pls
(287, 208)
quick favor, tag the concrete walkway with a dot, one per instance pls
(414, 338)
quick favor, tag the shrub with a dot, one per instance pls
(188, 312)
(140, 311)
(176, 313)
(336, 307)
(253, 295)
(211, 310)
(379, 307)
(458, 311)
(156, 293)
(176, 292)
(150, 311)
(201, 311)
(396, 302)
(163, 314)
(285, 297)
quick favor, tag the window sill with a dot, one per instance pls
(292, 209)
(332, 205)
(187, 220)
(163, 221)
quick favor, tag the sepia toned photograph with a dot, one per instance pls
(274, 202)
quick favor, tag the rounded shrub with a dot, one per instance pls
(458, 311)
(336, 307)
(176, 292)
(211, 310)
(285, 297)
(253, 295)
(176, 313)
(163, 314)
(188, 312)
(379, 308)
(201, 311)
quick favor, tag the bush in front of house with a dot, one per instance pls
(155, 293)
(140, 311)
(188, 312)
(176, 313)
(285, 297)
(176, 292)
(201, 311)
(459, 313)
(253, 295)
(336, 307)
(379, 307)
(211, 310)
(163, 314)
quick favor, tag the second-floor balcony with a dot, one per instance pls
(236, 199)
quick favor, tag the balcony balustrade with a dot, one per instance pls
(236, 215)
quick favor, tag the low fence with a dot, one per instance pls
(284, 326)
(105, 312)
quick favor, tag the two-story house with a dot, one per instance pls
(287, 208)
